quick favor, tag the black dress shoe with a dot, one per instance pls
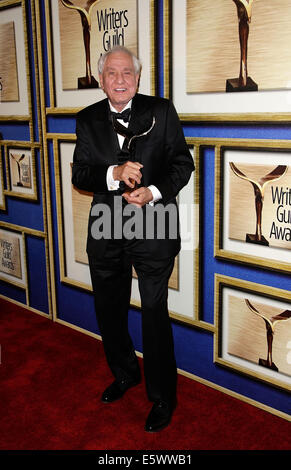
(117, 389)
(159, 417)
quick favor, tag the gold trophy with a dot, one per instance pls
(88, 81)
(259, 189)
(244, 82)
(128, 148)
(270, 327)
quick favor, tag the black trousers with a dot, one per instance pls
(111, 280)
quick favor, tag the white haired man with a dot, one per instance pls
(145, 171)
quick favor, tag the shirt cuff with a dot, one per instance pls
(112, 184)
(156, 194)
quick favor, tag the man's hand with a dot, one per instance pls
(139, 197)
(129, 172)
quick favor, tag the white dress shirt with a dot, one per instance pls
(112, 184)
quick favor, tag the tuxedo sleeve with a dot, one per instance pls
(178, 161)
(86, 174)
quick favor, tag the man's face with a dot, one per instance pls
(119, 80)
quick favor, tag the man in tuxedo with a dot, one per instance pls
(135, 161)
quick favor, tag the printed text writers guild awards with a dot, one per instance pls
(88, 81)
(259, 189)
(270, 328)
(244, 82)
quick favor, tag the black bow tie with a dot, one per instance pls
(125, 115)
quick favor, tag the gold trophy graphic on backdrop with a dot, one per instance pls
(88, 81)
(270, 327)
(259, 189)
(17, 161)
(244, 82)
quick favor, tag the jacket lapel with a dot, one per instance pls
(141, 116)
(104, 128)
(140, 121)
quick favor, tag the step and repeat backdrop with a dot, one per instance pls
(226, 65)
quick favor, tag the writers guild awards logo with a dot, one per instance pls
(259, 191)
(10, 261)
(7, 255)
(113, 24)
(88, 81)
(110, 22)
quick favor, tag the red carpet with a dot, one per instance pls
(51, 381)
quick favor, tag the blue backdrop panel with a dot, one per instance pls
(194, 346)
(37, 275)
(12, 292)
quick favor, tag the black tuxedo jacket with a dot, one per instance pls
(164, 154)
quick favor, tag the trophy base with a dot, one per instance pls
(123, 188)
(83, 83)
(250, 238)
(264, 363)
(232, 85)
(128, 189)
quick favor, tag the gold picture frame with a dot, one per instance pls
(17, 235)
(21, 171)
(70, 101)
(17, 105)
(235, 206)
(74, 268)
(253, 325)
(247, 106)
(72, 235)
(13, 256)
